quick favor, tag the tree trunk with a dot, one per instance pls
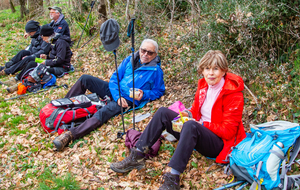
(109, 11)
(12, 7)
(127, 10)
(77, 5)
(102, 9)
(22, 8)
(35, 6)
(136, 9)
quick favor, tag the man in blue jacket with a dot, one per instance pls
(148, 78)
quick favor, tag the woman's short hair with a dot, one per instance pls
(152, 42)
(213, 58)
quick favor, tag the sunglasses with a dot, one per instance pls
(150, 53)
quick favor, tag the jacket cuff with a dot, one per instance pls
(206, 124)
(190, 115)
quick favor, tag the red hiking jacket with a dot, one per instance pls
(226, 116)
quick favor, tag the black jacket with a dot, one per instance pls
(60, 27)
(38, 46)
(60, 55)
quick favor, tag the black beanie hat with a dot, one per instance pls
(46, 30)
(32, 26)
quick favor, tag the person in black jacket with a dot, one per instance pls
(34, 50)
(58, 62)
(58, 22)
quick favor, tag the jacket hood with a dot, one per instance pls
(152, 63)
(233, 83)
(65, 38)
(60, 18)
(37, 33)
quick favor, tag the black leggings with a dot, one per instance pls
(192, 136)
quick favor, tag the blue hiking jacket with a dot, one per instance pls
(148, 77)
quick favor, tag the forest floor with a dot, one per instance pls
(28, 159)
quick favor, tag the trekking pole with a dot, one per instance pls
(89, 40)
(130, 32)
(92, 5)
(36, 92)
(120, 134)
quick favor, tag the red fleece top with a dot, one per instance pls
(226, 114)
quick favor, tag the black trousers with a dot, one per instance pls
(192, 136)
(18, 62)
(100, 87)
(20, 55)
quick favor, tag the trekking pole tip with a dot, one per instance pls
(120, 135)
(65, 86)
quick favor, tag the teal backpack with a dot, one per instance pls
(270, 148)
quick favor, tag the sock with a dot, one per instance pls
(175, 172)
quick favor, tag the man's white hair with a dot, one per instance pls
(152, 42)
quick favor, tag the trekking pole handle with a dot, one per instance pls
(92, 4)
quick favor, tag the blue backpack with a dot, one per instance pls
(259, 157)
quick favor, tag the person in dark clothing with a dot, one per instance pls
(217, 126)
(23, 57)
(58, 61)
(148, 79)
(58, 22)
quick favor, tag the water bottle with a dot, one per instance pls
(273, 161)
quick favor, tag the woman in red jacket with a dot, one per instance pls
(217, 109)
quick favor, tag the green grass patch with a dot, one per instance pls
(7, 15)
(49, 180)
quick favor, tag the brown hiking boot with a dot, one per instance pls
(171, 182)
(134, 161)
(3, 73)
(12, 88)
(62, 140)
(11, 81)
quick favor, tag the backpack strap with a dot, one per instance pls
(256, 183)
(61, 117)
(295, 152)
(50, 120)
(73, 118)
(287, 167)
(88, 112)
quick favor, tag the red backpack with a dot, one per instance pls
(63, 114)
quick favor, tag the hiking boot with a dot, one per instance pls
(171, 182)
(134, 161)
(11, 81)
(12, 88)
(3, 73)
(62, 140)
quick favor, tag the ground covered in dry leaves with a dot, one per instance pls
(28, 158)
